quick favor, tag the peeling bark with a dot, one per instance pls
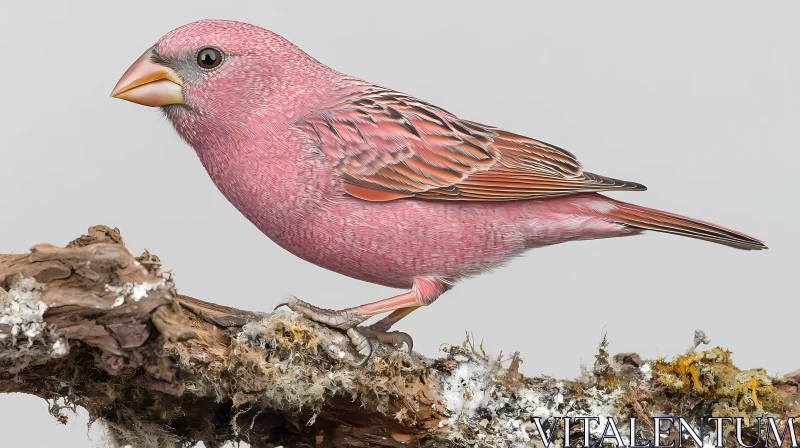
(91, 325)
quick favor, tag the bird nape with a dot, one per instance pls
(373, 183)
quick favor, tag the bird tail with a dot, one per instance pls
(660, 221)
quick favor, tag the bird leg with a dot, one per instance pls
(380, 330)
(348, 319)
(387, 322)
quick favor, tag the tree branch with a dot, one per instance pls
(90, 325)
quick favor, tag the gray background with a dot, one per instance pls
(697, 101)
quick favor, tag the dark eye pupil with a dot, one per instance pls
(209, 58)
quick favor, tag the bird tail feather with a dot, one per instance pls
(660, 221)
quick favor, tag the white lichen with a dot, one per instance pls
(24, 335)
(60, 348)
(462, 390)
(483, 409)
(647, 371)
(135, 291)
(22, 310)
(486, 407)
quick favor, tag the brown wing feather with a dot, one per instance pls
(387, 145)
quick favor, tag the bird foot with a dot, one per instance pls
(347, 320)
(339, 319)
(362, 338)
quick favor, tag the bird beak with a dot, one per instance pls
(149, 84)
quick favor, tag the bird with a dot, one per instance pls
(370, 182)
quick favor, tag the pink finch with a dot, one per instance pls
(373, 183)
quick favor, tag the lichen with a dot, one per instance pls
(484, 408)
(289, 365)
(711, 376)
(130, 291)
(286, 362)
(491, 405)
(24, 335)
(22, 309)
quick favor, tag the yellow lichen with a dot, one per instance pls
(712, 376)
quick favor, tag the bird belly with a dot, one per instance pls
(391, 243)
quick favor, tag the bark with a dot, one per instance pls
(91, 325)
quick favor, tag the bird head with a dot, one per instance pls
(220, 73)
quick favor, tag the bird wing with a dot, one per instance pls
(387, 145)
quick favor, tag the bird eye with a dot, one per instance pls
(209, 58)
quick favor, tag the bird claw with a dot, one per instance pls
(394, 338)
(286, 303)
(360, 342)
